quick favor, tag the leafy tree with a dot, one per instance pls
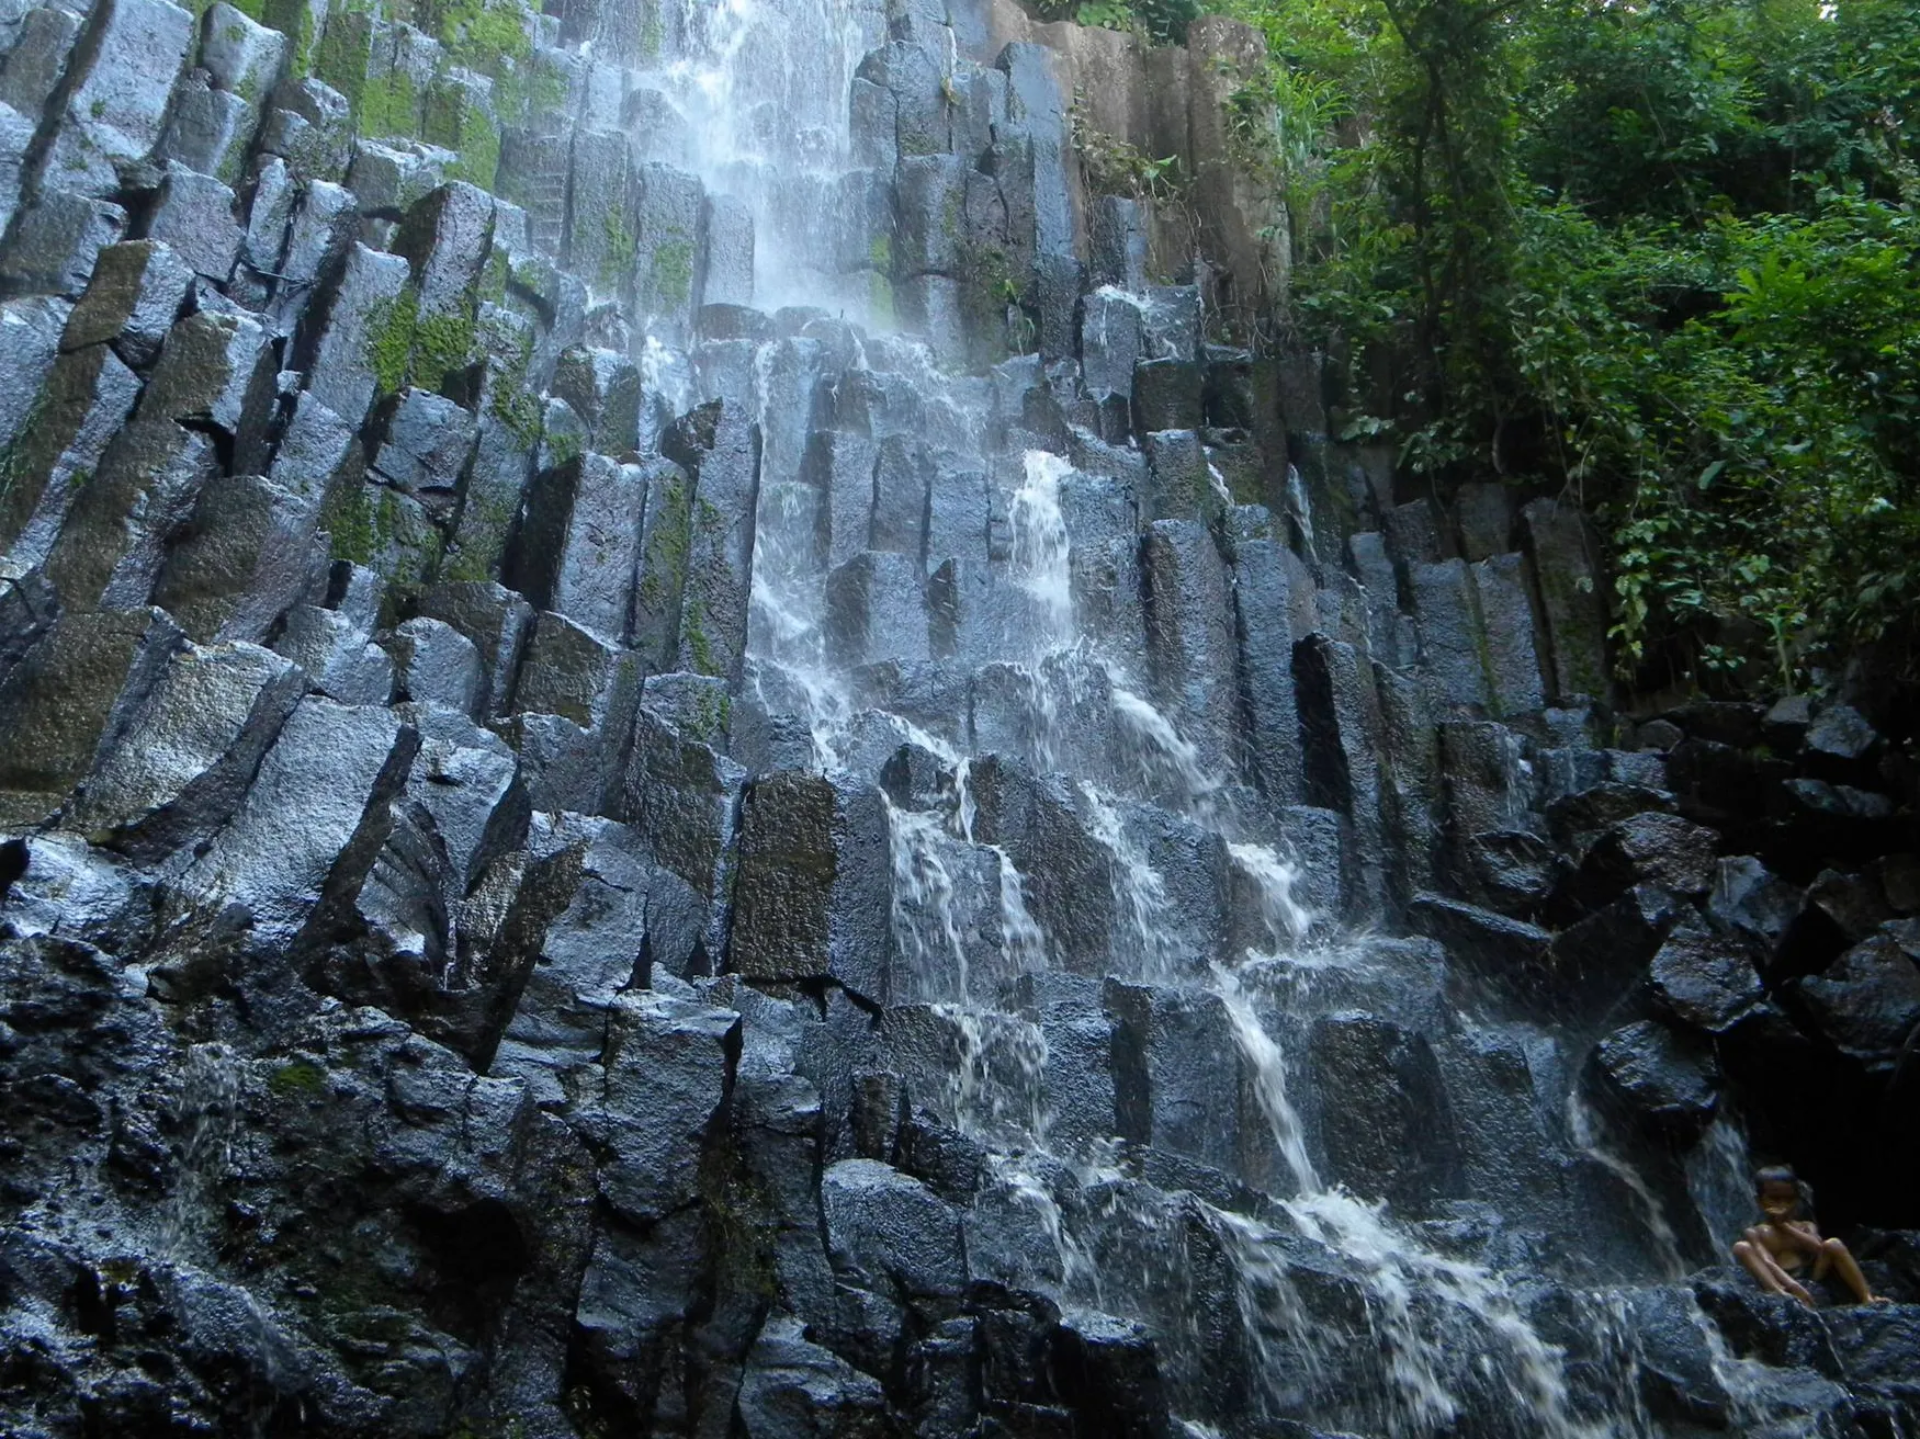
(1661, 255)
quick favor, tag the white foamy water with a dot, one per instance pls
(1271, 1311)
(751, 95)
(1140, 894)
(1285, 920)
(1041, 549)
(208, 1105)
(758, 90)
(1079, 1273)
(996, 1089)
(1269, 1069)
(1475, 1310)
(925, 929)
(1161, 752)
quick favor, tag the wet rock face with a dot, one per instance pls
(581, 857)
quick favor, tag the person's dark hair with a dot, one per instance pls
(1783, 1174)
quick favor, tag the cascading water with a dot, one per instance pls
(1040, 562)
(965, 938)
(751, 96)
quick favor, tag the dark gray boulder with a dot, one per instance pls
(1652, 848)
(884, 1227)
(433, 663)
(812, 884)
(792, 1387)
(1669, 1081)
(312, 821)
(1749, 897)
(1704, 978)
(66, 693)
(719, 448)
(668, 1067)
(182, 755)
(1385, 1120)
(1867, 1003)
(53, 244)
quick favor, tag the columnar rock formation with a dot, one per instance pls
(682, 752)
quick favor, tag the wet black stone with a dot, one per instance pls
(1672, 1083)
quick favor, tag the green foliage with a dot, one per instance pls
(563, 448)
(491, 36)
(1162, 22)
(340, 59)
(693, 631)
(484, 521)
(519, 410)
(442, 344)
(455, 118)
(298, 27)
(348, 518)
(1659, 256)
(880, 311)
(1114, 167)
(388, 105)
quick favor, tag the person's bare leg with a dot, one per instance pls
(1833, 1252)
(1756, 1261)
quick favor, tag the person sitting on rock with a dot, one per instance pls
(1775, 1251)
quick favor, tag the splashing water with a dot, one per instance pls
(1285, 921)
(996, 1088)
(208, 1105)
(751, 95)
(1079, 1273)
(923, 900)
(1477, 1313)
(1162, 753)
(1720, 1181)
(1272, 1314)
(1025, 941)
(1299, 506)
(758, 89)
(1138, 890)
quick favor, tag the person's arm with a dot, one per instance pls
(1801, 1235)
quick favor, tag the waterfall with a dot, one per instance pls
(686, 697)
(1111, 742)
(1041, 550)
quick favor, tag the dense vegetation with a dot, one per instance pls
(1661, 254)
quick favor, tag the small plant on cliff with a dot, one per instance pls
(1114, 167)
(1161, 22)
